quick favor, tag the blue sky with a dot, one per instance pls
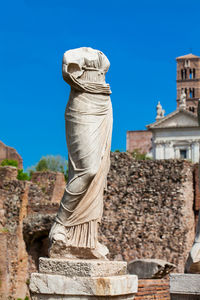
(140, 38)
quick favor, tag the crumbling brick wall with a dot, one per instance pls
(153, 289)
(7, 152)
(13, 255)
(139, 140)
(18, 199)
(148, 211)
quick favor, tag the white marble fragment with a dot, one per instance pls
(91, 286)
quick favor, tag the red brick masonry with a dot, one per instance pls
(153, 289)
(140, 140)
(7, 152)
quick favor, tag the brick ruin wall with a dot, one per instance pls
(18, 200)
(7, 152)
(13, 254)
(138, 140)
(153, 289)
(148, 213)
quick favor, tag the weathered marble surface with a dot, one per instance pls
(82, 268)
(88, 120)
(46, 297)
(193, 261)
(160, 111)
(182, 103)
(184, 297)
(185, 286)
(82, 279)
(49, 284)
(150, 268)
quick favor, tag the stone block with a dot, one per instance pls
(54, 297)
(185, 286)
(82, 268)
(61, 287)
(150, 268)
(8, 173)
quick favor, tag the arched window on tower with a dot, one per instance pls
(185, 74)
(182, 74)
(191, 92)
(194, 74)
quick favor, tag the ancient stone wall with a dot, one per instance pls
(13, 255)
(18, 199)
(7, 152)
(148, 211)
(51, 183)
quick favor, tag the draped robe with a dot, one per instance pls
(88, 118)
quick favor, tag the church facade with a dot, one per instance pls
(176, 135)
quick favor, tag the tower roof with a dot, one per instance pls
(188, 56)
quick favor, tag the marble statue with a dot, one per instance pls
(88, 118)
(160, 111)
(182, 103)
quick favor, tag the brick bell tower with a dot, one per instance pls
(188, 79)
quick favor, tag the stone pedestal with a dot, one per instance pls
(185, 286)
(82, 279)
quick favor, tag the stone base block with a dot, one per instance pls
(82, 279)
(185, 286)
(82, 268)
(150, 268)
(46, 297)
(82, 287)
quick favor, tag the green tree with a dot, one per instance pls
(9, 162)
(139, 156)
(53, 163)
(22, 176)
(42, 165)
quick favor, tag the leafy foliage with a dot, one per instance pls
(50, 162)
(22, 176)
(42, 165)
(139, 156)
(9, 162)
(53, 163)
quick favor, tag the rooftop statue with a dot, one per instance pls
(88, 118)
(182, 103)
(160, 111)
